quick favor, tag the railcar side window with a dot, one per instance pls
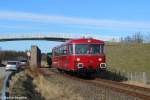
(58, 51)
(61, 51)
(64, 50)
(102, 48)
(70, 49)
(54, 53)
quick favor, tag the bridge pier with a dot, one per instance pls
(35, 60)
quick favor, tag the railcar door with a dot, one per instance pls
(64, 57)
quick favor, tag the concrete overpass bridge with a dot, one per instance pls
(60, 37)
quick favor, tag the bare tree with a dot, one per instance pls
(128, 39)
(5, 55)
(148, 38)
(121, 39)
(137, 38)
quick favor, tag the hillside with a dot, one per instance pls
(130, 57)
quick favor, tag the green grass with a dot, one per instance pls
(129, 57)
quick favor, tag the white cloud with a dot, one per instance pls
(83, 22)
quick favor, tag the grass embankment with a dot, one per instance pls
(129, 57)
(21, 86)
(52, 89)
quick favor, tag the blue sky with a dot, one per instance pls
(107, 18)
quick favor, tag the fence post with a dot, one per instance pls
(134, 76)
(131, 76)
(144, 78)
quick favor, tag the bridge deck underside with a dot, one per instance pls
(47, 39)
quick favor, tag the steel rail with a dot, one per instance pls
(130, 87)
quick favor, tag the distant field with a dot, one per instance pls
(129, 57)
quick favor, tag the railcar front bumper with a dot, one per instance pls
(84, 70)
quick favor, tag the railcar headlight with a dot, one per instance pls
(99, 59)
(80, 65)
(78, 59)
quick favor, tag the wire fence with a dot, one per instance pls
(136, 76)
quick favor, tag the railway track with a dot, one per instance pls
(128, 87)
(132, 90)
(135, 91)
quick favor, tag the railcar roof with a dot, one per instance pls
(82, 40)
(85, 40)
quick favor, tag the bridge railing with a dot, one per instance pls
(48, 35)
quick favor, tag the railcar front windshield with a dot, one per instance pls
(89, 48)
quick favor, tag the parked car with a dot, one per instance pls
(23, 62)
(2, 65)
(12, 65)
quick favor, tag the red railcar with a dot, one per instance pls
(79, 55)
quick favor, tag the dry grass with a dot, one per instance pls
(50, 90)
(33, 72)
(21, 86)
